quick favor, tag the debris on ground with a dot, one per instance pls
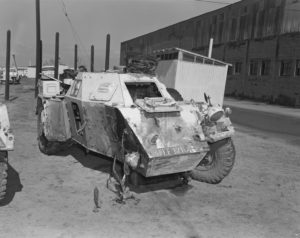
(97, 201)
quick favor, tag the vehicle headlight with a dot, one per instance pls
(215, 113)
(132, 159)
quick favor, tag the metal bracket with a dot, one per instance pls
(80, 130)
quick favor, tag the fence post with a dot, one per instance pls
(7, 66)
(41, 56)
(92, 58)
(56, 56)
(38, 40)
(107, 52)
(75, 58)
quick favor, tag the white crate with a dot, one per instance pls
(49, 88)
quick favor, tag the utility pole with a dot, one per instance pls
(92, 58)
(38, 39)
(107, 52)
(210, 48)
(15, 62)
(41, 56)
(75, 57)
(7, 66)
(56, 57)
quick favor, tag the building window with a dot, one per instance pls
(230, 70)
(221, 25)
(221, 17)
(199, 34)
(261, 19)
(214, 20)
(214, 27)
(265, 67)
(297, 67)
(253, 67)
(188, 57)
(243, 27)
(220, 31)
(238, 68)
(233, 29)
(170, 56)
(285, 68)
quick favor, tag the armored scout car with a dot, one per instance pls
(6, 144)
(136, 120)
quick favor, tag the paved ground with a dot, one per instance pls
(260, 106)
(262, 116)
(52, 196)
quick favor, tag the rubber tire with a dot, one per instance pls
(175, 94)
(223, 159)
(3, 174)
(45, 146)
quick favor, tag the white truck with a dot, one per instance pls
(14, 77)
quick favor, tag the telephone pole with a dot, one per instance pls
(38, 47)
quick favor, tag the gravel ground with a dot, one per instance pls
(52, 196)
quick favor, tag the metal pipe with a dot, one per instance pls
(107, 52)
(92, 58)
(7, 75)
(75, 57)
(56, 58)
(211, 43)
(37, 45)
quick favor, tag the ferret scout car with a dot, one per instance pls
(135, 119)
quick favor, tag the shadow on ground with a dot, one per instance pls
(104, 164)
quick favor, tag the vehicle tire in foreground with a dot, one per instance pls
(175, 94)
(3, 173)
(45, 146)
(217, 164)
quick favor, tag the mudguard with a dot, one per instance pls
(55, 120)
(218, 131)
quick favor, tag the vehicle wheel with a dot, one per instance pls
(217, 164)
(175, 94)
(3, 173)
(45, 146)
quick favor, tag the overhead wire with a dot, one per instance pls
(74, 32)
(215, 2)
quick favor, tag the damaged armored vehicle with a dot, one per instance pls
(134, 119)
(6, 144)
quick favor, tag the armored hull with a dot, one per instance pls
(133, 118)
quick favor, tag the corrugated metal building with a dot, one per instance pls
(260, 38)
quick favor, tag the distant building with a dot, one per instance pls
(30, 72)
(49, 69)
(260, 38)
(22, 71)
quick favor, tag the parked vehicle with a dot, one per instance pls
(135, 119)
(6, 144)
(14, 77)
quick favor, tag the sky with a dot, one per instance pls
(92, 20)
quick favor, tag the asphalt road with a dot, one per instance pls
(52, 196)
(264, 120)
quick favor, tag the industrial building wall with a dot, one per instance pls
(261, 38)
